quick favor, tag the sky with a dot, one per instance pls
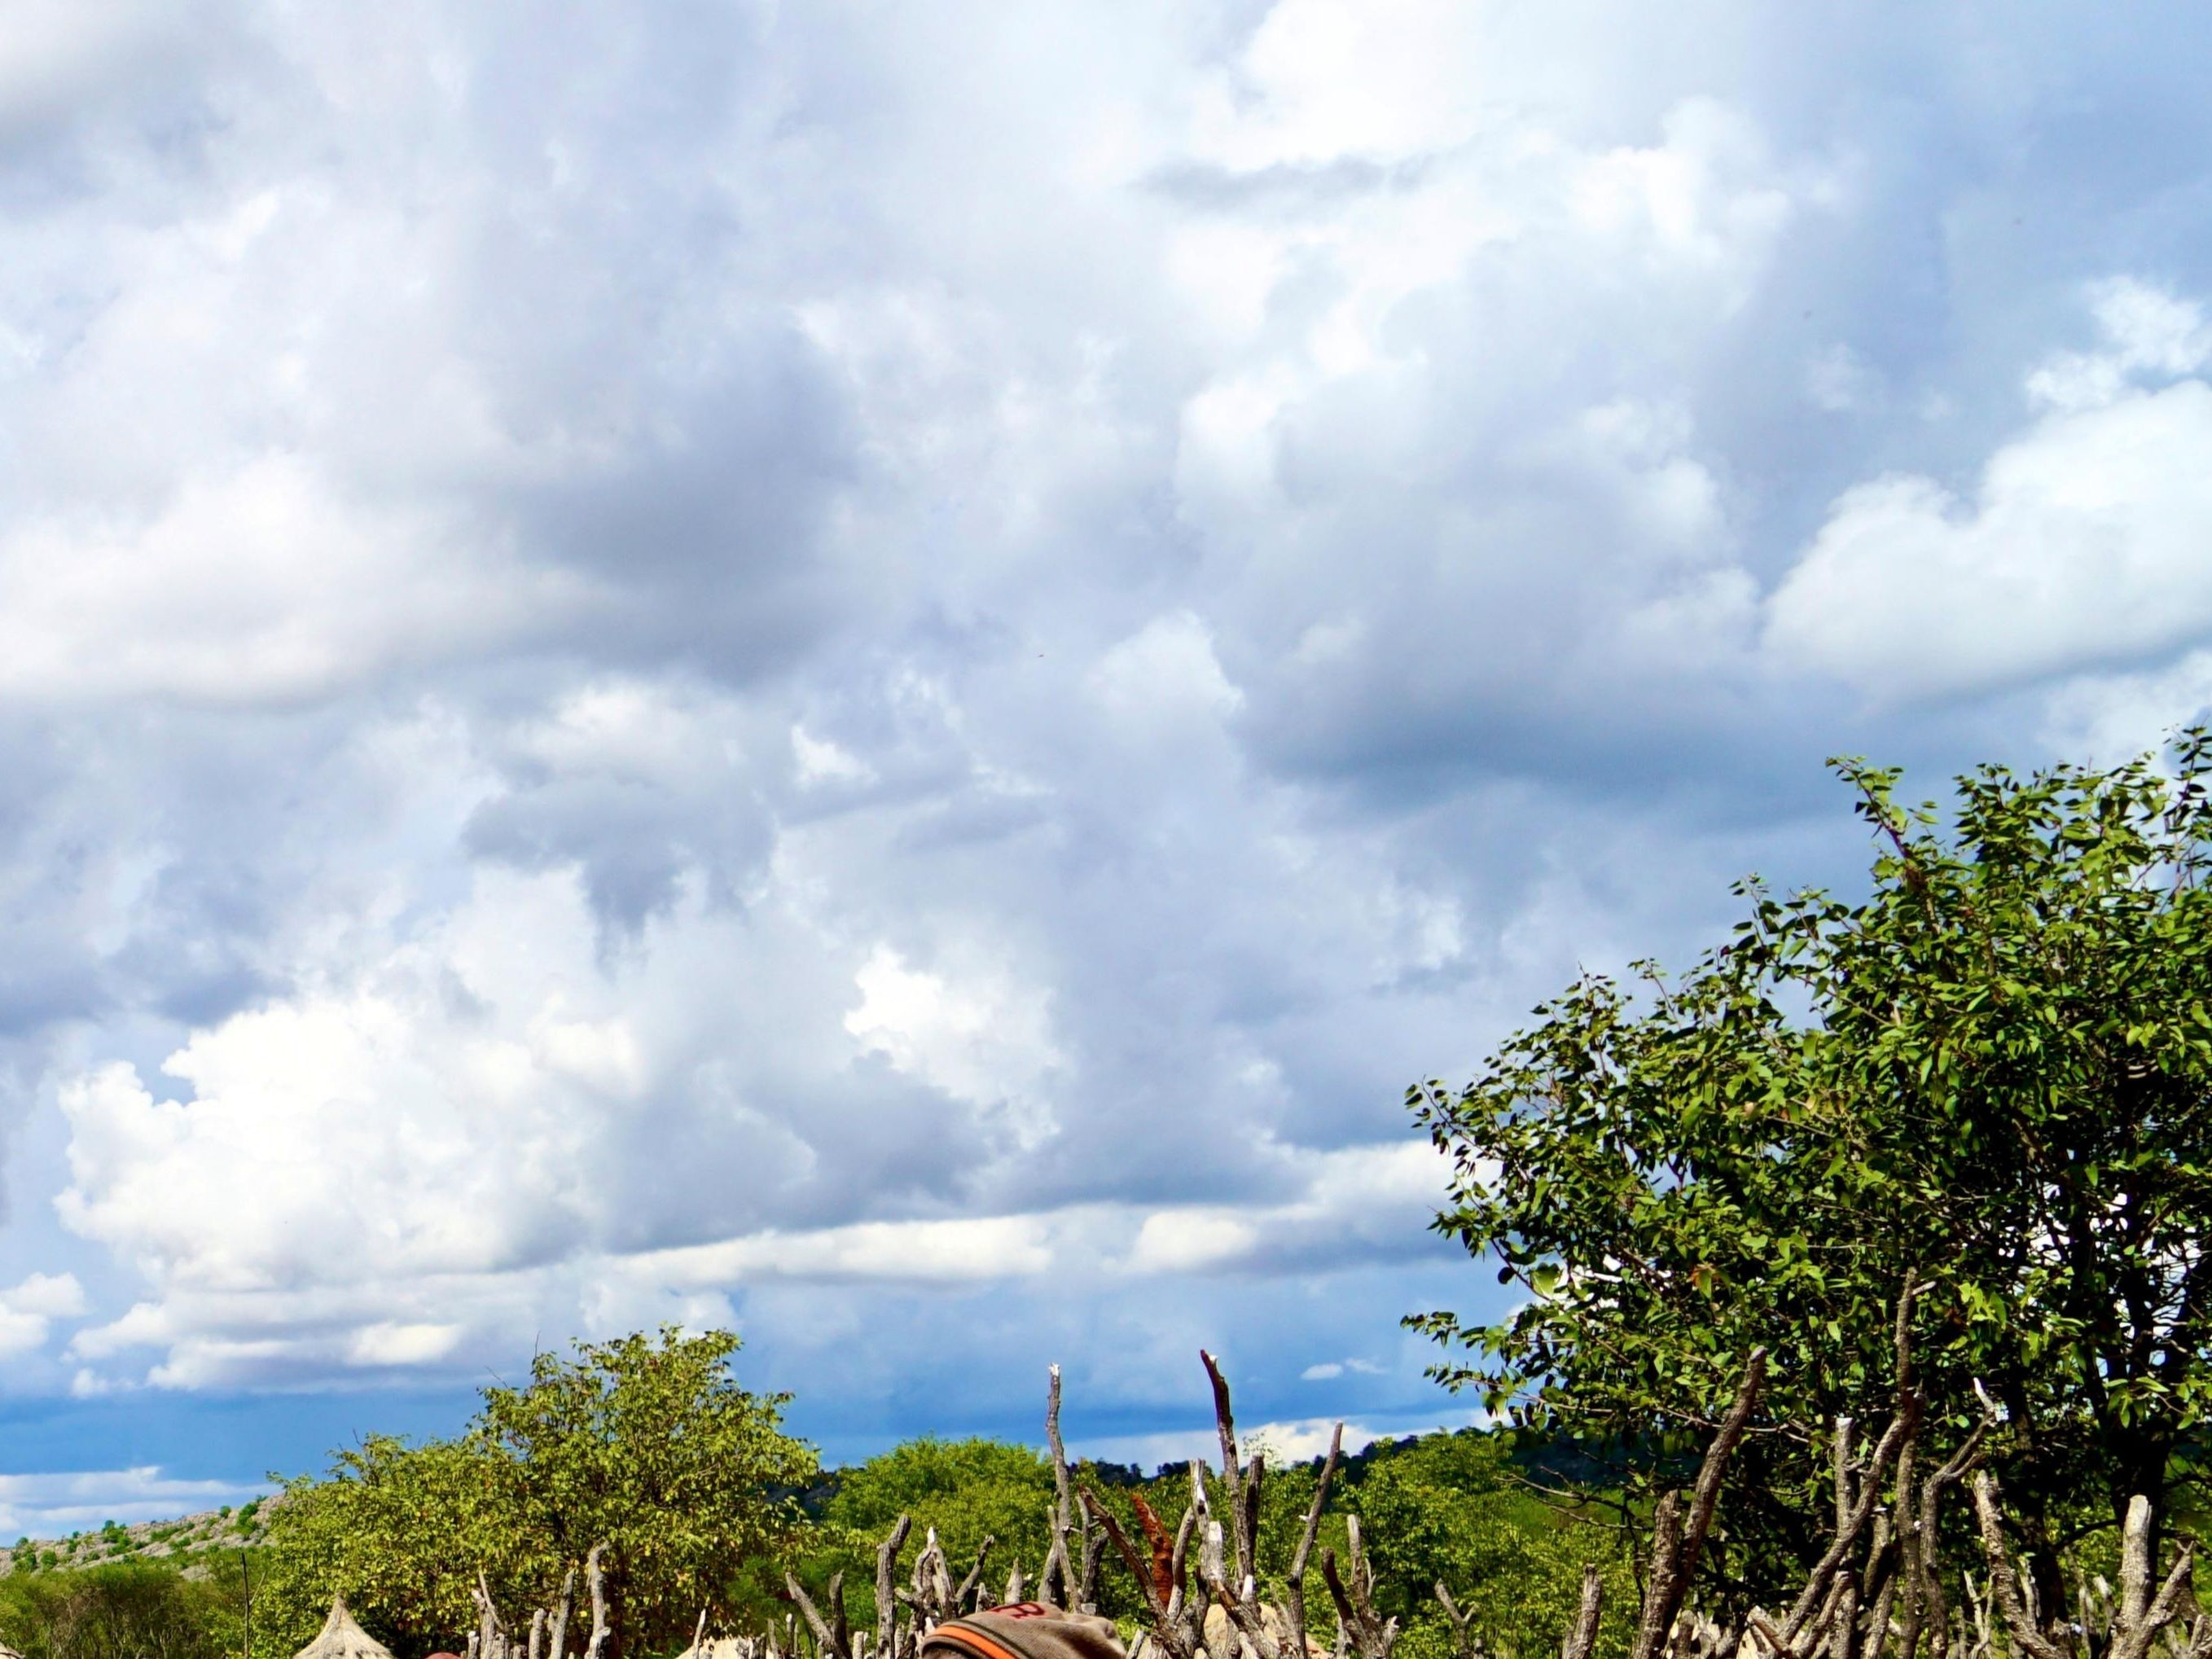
(879, 674)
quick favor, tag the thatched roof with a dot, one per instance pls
(344, 1639)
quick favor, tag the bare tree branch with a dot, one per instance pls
(1164, 1633)
(1294, 1591)
(1675, 1547)
(558, 1636)
(2019, 1617)
(825, 1638)
(1225, 1424)
(1582, 1640)
(595, 1572)
(886, 1596)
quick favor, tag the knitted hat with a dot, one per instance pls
(1027, 1630)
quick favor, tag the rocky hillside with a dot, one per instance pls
(177, 1540)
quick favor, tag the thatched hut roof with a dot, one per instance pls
(342, 1638)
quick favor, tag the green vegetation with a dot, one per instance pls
(1444, 1507)
(1993, 1078)
(647, 1444)
(1452, 1509)
(124, 1610)
(1440, 1507)
(968, 1489)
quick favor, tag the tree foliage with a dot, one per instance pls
(1451, 1509)
(968, 1489)
(1988, 1078)
(650, 1445)
(129, 1610)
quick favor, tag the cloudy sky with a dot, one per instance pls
(880, 673)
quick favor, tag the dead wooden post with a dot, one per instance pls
(2139, 1615)
(886, 1597)
(1353, 1592)
(1163, 1605)
(595, 1572)
(970, 1593)
(491, 1639)
(557, 1643)
(1056, 1583)
(1676, 1546)
(932, 1585)
(1582, 1640)
(1465, 1642)
(1294, 1588)
(833, 1632)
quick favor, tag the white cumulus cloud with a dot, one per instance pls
(2080, 543)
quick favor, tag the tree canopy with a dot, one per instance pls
(1988, 1078)
(1448, 1508)
(119, 1610)
(968, 1489)
(649, 1444)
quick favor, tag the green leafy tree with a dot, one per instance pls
(648, 1445)
(1451, 1509)
(1988, 1078)
(402, 1531)
(968, 1489)
(132, 1610)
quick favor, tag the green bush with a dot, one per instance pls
(650, 1446)
(117, 1612)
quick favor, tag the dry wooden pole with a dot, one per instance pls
(1675, 1547)
(596, 1573)
(1465, 1642)
(886, 1599)
(558, 1635)
(972, 1585)
(491, 1639)
(1294, 1588)
(1094, 1555)
(1353, 1592)
(2140, 1615)
(1816, 1601)
(1057, 1581)
(1162, 1606)
(932, 1582)
(1925, 1606)
(1872, 1634)
(1232, 1476)
(1582, 1640)
(2017, 1609)
(825, 1635)
(1196, 1517)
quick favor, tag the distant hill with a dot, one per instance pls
(177, 1541)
